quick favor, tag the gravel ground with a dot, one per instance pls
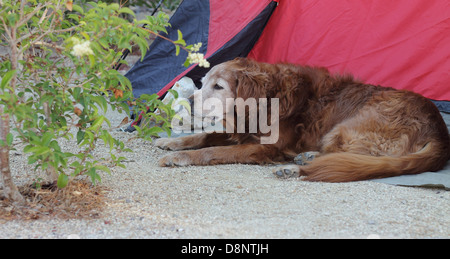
(239, 201)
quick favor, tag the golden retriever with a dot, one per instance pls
(344, 130)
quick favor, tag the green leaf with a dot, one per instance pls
(9, 139)
(85, 35)
(93, 174)
(77, 8)
(97, 123)
(153, 131)
(39, 150)
(142, 43)
(103, 168)
(46, 138)
(32, 160)
(76, 93)
(180, 40)
(124, 42)
(101, 101)
(138, 129)
(174, 93)
(62, 180)
(12, 18)
(186, 105)
(127, 11)
(7, 78)
(114, 6)
(92, 60)
(80, 136)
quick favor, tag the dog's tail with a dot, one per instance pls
(346, 167)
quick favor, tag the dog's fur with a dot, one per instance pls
(361, 131)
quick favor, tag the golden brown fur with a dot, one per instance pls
(360, 131)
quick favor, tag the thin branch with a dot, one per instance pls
(43, 34)
(30, 15)
(54, 46)
(44, 15)
(6, 30)
(81, 85)
(22, 7)
(165, 38)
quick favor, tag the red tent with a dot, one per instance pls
(404, 44)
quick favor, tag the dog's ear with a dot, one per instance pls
(293, 89)
(287, 83)
(251, 85)
(251, 80)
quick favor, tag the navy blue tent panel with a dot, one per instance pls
(443, 106)
(160, 65)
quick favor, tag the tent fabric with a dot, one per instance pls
(443, 106)
(160, 65)
(228, 48)
(439, 179)
(403, 44)
(226, 29)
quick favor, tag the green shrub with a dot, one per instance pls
(57, 82)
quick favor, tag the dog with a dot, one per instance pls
(343, 129)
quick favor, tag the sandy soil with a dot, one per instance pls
(238, 201)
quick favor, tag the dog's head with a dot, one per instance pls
(238, 78)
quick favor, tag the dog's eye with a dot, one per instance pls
(218, 87)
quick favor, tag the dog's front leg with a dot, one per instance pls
(244, 154)
(195, 141)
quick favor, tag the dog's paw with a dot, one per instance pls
(175, 159)
(168, 143)
(287, 171)
(305, 158)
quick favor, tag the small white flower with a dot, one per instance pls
(75, 40)
(82, 49)
(196, 47)
(198, 58)
(204, 63)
